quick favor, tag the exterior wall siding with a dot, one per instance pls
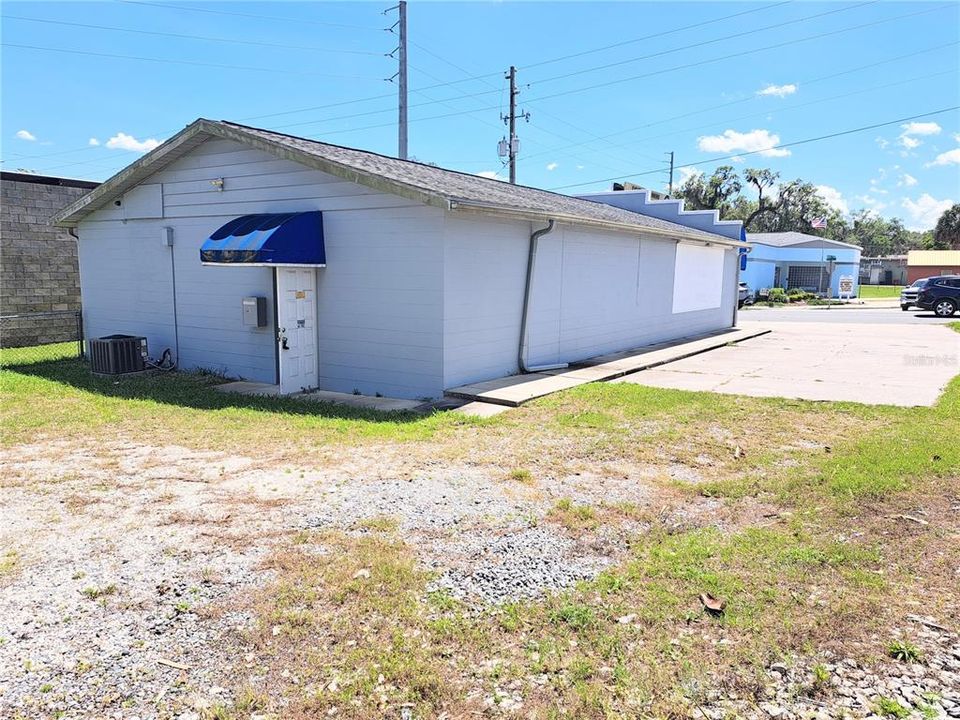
(378, 299)
(593, 292)
(763, 259)
(413, 299)
(38, 262)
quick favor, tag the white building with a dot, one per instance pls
(378, 275)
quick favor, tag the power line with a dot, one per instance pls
(203, 38)
(753, 97)
(654, 35)
(743, 53)
(185, 8)
(781, 146)
(574, 91)
(797, 106)
(702, 43)
(188, 62)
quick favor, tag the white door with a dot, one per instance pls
(297, 328)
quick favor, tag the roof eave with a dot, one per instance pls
(458, 204)
(129, 176)
(143, 167)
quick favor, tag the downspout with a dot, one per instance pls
(169, 241)
(72, 231)
(531, 259)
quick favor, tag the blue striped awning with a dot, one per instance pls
(270, 239)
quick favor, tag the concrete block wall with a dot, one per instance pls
(38, 262)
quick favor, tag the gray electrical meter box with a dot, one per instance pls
(255, 312)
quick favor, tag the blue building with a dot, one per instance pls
(795, 260)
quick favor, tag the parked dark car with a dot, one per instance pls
(940, 294)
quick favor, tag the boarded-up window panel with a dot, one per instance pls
(697, 278)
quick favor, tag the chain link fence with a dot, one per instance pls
(30, 338)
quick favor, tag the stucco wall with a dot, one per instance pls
(38, 262)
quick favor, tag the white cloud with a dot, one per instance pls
(687, 173)
(907, 180)
(924, 211)
(834, 198)
(26, 135)
(882, 143)
(921, 128)
(778, 90)
(908, 138)
(491, 174)
(950, 157)
(122, 141)
(874, 205)
(580, 167)
(552, 166)
(761, 141)
(93, 142)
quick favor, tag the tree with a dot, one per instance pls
(876, 235)
(711, 193)
(946, 235)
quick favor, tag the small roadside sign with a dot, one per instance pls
(846, 287)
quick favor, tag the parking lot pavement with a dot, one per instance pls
(868, 313)
(903, 364)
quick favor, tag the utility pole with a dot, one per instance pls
(510, 146)
(670, 186)
(401, 75)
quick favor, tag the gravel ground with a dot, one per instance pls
(128, 558)
(129, 563)
(929, 688)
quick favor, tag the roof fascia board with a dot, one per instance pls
(138, 170)
(520, 214)
(156, 159)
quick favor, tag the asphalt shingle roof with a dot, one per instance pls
(427, 183)
(470, 189)
(785, 239)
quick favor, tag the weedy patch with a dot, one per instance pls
(96, 593)
(573, 516)
(8, 562)
(887, 707)
(521, 475)
(904, 651)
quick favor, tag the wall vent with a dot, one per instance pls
(118, 354)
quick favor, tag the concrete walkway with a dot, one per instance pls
(517, 389)
(896, 364)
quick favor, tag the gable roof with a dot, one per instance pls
(787, 239)
(448, 189)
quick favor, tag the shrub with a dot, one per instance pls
(777, 295)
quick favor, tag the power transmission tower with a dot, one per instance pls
(510, 146)
(401, 76)
(670, 185)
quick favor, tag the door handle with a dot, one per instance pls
(282, 339)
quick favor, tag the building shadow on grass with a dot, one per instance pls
(196, 390)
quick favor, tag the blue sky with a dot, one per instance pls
(610, 87)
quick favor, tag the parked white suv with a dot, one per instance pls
(908, 296)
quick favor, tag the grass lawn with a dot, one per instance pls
(811, 553)
(880, 291)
